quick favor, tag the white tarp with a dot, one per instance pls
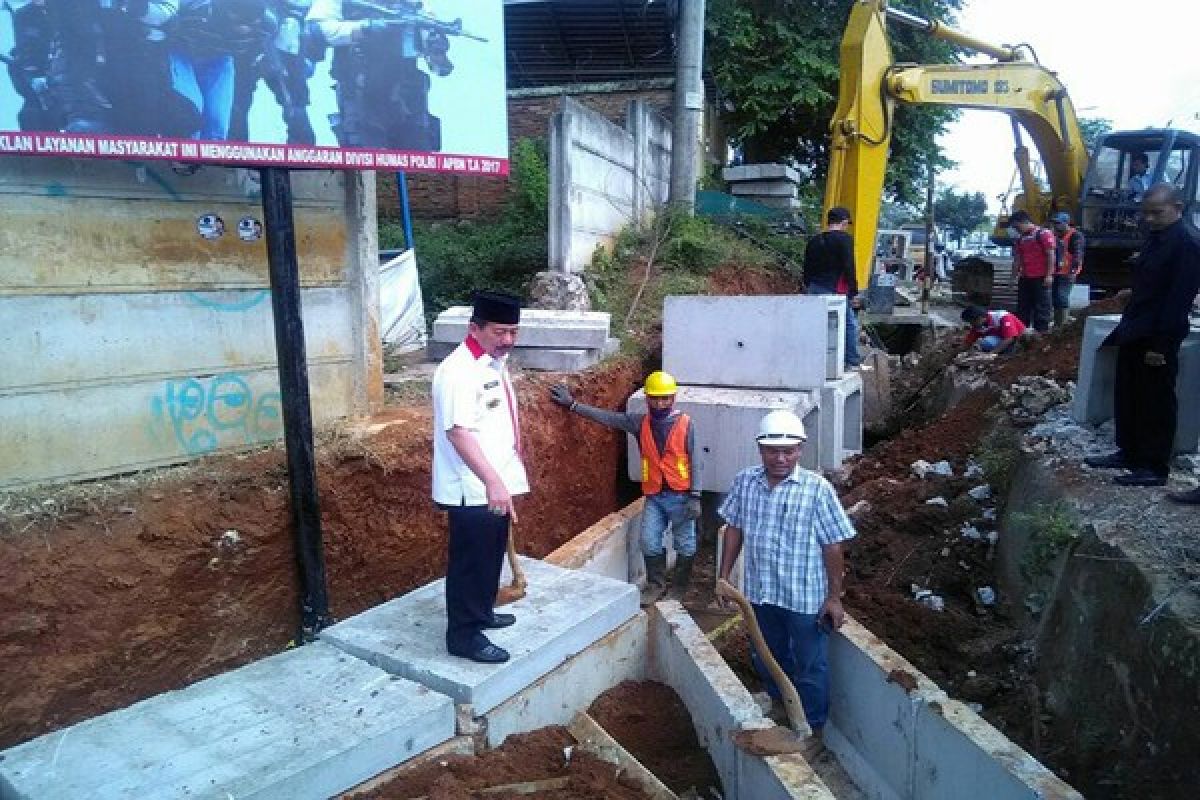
(401, 308)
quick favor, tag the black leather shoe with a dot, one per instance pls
(1111, 461)
(488, 654)
(1141, 477)
(1189, 498)
(501, 621)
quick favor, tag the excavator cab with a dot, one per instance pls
(1122, 167)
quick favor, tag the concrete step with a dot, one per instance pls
(544, 359)
(563, 612)
(841, 420)
(308, 723)
(583, 330)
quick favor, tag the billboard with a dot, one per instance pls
(337, 84)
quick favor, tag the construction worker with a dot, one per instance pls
(670, 478)
(792, 526)
(1069, 258)
(477, 471)
(1034, 252)
(991, 331)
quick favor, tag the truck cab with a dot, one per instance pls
(1122, 166)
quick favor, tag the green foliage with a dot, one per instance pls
(776, 65)
(1052, 527)
(456, 258)
(1092, 129)
(960, 213)
(997, 455)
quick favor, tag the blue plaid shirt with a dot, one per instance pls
(783, 531)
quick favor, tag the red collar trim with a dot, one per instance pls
(475, 347)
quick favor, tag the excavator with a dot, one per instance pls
(1100, 198)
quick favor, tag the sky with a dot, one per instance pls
(1136, 64)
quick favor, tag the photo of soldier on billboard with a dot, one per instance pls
(372, 75)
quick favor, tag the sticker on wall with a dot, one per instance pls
(210, 226)
(249, 229)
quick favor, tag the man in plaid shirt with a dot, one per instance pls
(792, 526)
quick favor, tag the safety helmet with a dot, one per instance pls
(660, 384)
(1061, 217)
(780, 429)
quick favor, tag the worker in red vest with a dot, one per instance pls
(670, 478)
(1034, 249)
(1069, 255)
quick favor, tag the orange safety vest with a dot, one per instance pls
(1066, 265)
(672, 465)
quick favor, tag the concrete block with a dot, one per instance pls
(554, 698)
(767, 342)
(563, 612)
(841, 420)
(771, 201)
(760, 172)
(584, 330)
(1093, 402)
(1081, 296)
(726, 422)
(543, 359)
(766, 188)
(308, 723)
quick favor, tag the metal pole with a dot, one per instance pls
(405, 209)
(280, 233)
(689, 105)
(929, 251)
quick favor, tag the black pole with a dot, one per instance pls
(280, 231)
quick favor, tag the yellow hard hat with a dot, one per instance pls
(660, 384)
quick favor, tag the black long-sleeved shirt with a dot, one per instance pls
(827, 257)
(1166, 277)
(660, 429)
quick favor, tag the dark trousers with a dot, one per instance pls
(1033, 303)
(799, 643)
(1145, 407)
(478, 540)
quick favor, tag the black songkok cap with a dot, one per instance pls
(498, 307)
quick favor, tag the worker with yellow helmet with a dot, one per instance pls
(670, 479)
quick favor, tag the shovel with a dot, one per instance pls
(777, 740)
(515, 590)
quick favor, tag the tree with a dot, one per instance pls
(960, 213)
(776, 69)
(1092, 129)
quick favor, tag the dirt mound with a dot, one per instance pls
(653, 724)
(738, 279)
(113, 600)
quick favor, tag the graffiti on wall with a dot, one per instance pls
(204, 414)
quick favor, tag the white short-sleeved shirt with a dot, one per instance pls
(472, 390)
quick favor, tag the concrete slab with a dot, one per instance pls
(769, 188)
(767, 342)
(1093, 402)
(726, 422)
(563, 612)
(760, 172)
(308, 723)
(542, 359)
(841, 420)
(585, 330)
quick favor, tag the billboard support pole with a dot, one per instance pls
(405, 209)
(280, 233)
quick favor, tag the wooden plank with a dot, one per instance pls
(595, 740)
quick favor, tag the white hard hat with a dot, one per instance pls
(780, 428)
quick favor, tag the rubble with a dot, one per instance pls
(937, 501)
(1033, 395)
(927, 598)
(981, 492)
(923, 469)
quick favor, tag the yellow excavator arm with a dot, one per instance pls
(872, 83)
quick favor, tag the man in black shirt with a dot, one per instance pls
(829, 269)
(1166, 277)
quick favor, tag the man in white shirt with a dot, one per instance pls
(477, 470)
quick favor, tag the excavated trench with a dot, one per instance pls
(123, 589)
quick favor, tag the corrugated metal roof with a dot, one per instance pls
(552, 42)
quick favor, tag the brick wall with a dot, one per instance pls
(440, 197)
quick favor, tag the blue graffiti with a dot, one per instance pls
(220, 301)
(203, 414)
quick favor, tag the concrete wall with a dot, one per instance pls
(602, 178)
(128, 341)
(444, 197)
